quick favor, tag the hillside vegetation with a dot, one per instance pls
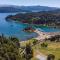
(51, 19)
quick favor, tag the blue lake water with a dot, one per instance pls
(16, 29)
(13, 29)
(47, 29)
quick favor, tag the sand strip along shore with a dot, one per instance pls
(44, 35)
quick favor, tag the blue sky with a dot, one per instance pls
(51, 3)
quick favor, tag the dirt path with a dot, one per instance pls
(40, 56)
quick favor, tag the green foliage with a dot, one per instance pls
(9, 50)
(41, 18)
(55, 38)
(50, 57)
(28, 52)
(35, 41)
(44, 45)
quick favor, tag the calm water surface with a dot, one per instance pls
(16, 29)
(13, 29)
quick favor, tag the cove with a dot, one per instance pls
(16, 29)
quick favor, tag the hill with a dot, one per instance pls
(13, 8)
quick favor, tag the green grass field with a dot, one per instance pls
(52, 48)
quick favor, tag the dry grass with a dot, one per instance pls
(53, 48)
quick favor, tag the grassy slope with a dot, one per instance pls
(53, 48)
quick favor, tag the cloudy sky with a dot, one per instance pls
(51, 3)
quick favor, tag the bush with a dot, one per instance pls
(35, 41)
(50, 57)
(44, 45)
(9, 49)
(28, 52)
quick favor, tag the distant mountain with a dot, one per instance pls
(56, 11)
(38, 8)
(13, 8)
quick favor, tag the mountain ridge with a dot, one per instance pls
(14, 8)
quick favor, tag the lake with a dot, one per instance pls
(16, 29)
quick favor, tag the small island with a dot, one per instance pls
(29, 29)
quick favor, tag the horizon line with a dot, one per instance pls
(27, 5)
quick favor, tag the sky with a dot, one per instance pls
(50, 3)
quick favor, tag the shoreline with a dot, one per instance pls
(44, 25)
(40, 35)
(43, 35)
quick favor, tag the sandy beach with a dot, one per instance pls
(44, 35)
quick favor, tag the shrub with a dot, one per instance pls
(9, 50)
(50, 57)
(28, 52)
(44, 45)
(35, 41)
